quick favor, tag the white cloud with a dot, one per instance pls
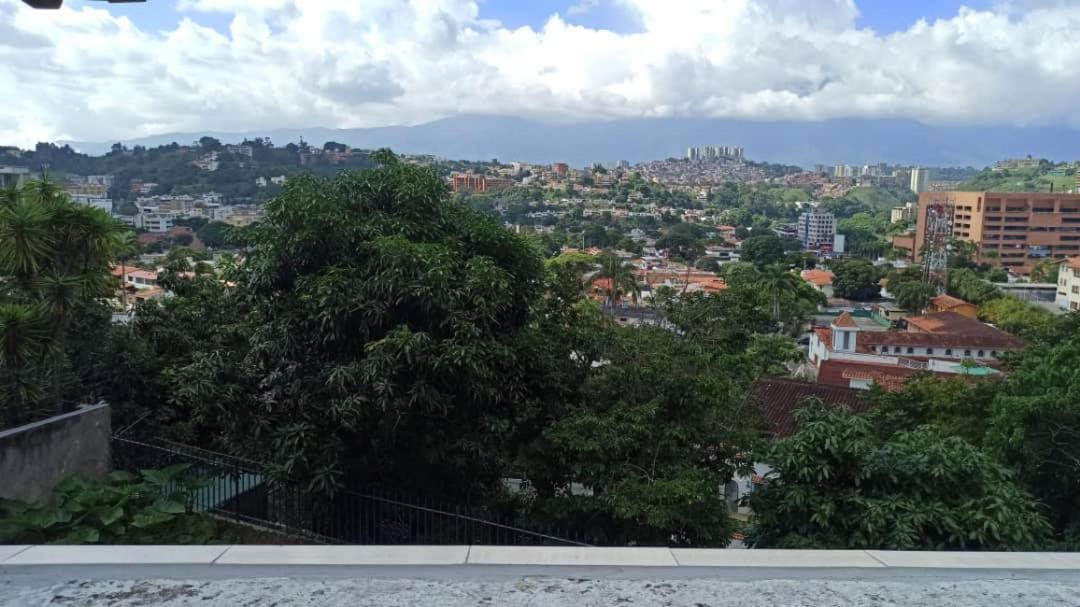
(582, 7)
(85, 74)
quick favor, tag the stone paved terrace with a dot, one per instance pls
(448, 576)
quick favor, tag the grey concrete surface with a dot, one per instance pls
(705, 557)
(570, 555)
(34, 457)
(115, 555)
(344, 555)
(646, 586)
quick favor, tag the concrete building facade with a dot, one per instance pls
(1012, 230)
(816, 228)
(1068, 286)
(919, 179)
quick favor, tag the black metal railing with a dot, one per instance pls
(242, 490)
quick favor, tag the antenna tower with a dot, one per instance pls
(938, 230)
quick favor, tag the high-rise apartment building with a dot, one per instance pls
(919, 179)
(816, 228)
(1013, 230)
(714, 152)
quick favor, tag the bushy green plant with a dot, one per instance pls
(151, 507)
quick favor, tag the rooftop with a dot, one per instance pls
(780, 398)
(835, 372)
(947, 302)
(845, 321)
(951, 323)
(818, 277)
(448, 576)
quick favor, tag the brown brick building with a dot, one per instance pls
(471, 182)
(1015, 230)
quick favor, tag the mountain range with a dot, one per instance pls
(850, 141)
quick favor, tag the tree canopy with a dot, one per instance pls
(855, 279)
(841, 482)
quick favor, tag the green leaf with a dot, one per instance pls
(111, 515)
(168, 506)
(150, 518)
(81, 535)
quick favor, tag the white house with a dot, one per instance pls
(1068, 289)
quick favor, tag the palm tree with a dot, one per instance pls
(781, 285)
(54, 259)
(620, 279)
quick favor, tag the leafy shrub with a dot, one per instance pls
(151, 507)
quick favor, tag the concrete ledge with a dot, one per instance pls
(551, 558)
(7, 552)
(978, 560)
(344, 555)
(571, 555)
(116, 555)
(705, 557)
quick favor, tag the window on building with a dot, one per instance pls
(847, 340)
(896, 350)
(967, 352)
(911, 350)
(982, 353)
(929, 351)
(948, 351)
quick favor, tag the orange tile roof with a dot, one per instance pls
(824, 334)
(946, 302)
(821, 278)
(845, 321)
(841, 372)
(1072, 262)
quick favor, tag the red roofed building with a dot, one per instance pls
(846, 356)
(819, 279)
(948, 303)
(861, 376)
(779, 399)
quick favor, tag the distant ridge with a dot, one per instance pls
(851, 141)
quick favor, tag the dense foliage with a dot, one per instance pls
(856, 279)
(841, 482)
(151, 507)
(54, 272)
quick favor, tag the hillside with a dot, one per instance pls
(882, 198)
(1044, 178)
(171, 166)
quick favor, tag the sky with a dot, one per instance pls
(98, 72)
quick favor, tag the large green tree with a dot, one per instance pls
(1035, 424)
(381, 330)
(841, 482)
(762, 250)
(855, 279)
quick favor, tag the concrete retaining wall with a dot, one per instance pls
(34, 457)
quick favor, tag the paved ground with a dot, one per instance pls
(627, 587)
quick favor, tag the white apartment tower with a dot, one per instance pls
(919, 177)
(816, 228)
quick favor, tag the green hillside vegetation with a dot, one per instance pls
(170, 166)
(882, 198)
(1034, 179)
